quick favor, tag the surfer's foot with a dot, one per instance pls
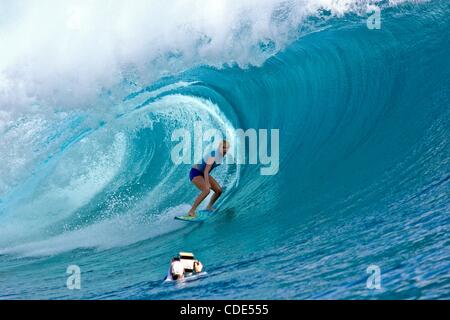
(211, 209)
(192, 213)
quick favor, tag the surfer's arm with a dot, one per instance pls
(208, 167)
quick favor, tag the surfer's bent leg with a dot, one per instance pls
(217, 192)
(199, 182)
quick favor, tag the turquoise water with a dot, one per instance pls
(364, 175)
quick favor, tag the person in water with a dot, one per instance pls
(201, 178)
(176, 271)
(198, 266)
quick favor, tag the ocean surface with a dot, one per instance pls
(88, 106)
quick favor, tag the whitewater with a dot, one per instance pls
(91, 92)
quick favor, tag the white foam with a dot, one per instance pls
(62, 53)
(106, 234)
(78, 176)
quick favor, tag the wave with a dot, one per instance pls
(363, 138)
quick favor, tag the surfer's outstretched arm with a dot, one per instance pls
(206, 173)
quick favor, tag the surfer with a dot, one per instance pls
(201, 178)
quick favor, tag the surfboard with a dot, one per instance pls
(201, 216)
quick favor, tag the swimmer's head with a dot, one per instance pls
(198, 267)
(224, 146)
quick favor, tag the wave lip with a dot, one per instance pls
(76, 49)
